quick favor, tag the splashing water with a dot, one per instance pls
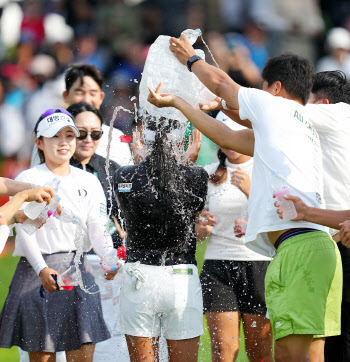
(79, 244)
(108, 151)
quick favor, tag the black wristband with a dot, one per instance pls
(192, 60)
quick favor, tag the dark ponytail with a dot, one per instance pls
(220, 175)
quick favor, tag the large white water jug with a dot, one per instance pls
(162, 66)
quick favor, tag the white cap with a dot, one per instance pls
(338, 38)
(51, 125)
(221, 116)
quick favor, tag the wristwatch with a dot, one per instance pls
(192, 60)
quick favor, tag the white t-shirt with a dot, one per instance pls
(332, 122)
(286, 143)
(227, 202)
(4, 234)
(80, 192)
(119, 152)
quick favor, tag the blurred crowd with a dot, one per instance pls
(40, 39)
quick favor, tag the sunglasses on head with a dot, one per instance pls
(52, 111)
(95, 135)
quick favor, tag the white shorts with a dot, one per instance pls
(168, 298)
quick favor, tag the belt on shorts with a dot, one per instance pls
(183, 271)
(291, 233)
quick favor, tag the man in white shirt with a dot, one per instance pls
(329, 106)
(284, 142)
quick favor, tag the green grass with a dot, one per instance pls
(7, 268)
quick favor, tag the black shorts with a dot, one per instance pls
(229, 285)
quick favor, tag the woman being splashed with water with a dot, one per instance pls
(71, 320)
(159, 199)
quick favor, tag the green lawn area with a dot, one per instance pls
(8, 265)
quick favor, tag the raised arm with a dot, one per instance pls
(217, 131)
(216, 80)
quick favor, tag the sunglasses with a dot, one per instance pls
(52, 111)
(95, 135)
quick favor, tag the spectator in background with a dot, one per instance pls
(12, 127)
(84, 82)
(338, 47)
(47, 89)
(89, 51)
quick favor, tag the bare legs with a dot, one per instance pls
(293, 348)
(224, 333)
(83, 354)
(142, 349)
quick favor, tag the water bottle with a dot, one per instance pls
(33, 209)
(162, 66)
(66, 216)
(280, 188)
(110, 261)
(192, 35)
(30, 226)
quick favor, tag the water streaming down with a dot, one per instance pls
(79, 244)
(160, 210)
(108, 151)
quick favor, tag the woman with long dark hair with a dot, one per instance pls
(161, 291)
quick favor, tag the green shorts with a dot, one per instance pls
(303, 286)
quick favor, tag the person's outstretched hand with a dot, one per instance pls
(181, 48)
(194, 146)
(300, 207)
(160, 100)
(213, 105)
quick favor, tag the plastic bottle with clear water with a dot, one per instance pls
(30, 226)
(33, 209)
(67, 216)
(192, 35)
(162, 66)
(280, 188)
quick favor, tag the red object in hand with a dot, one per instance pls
(125, 138)
(121, 252)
